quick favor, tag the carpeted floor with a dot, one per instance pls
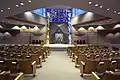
(58, 66)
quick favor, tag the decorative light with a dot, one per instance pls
(117, 34)
(7, 33)
(91, 28)
(36, 28)
(23, 27)
(81, 29)
(117, 26)
(99, 28)
(16, 27)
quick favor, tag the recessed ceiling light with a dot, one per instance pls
(29, 1)
(96, 5)
(21, 3)
(17, 5)
(90, 2)
(9, 8)
(118, 12)
(110, 19)
(108, 9)
(2, 10)
(115, 11)
(101, 6)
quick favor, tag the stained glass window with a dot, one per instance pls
(76, 12)
(59, 15)
(40, 11)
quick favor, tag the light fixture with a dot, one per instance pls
(1, 26)
(81, 29)
(17, 5)
(96, 5)
(108, 9)
(29, 1)
(101, 6)
(21, 3)
(115, 11)
(9, 8)
(91, 28)
(116, 26)
(118, 12)
(2, 10)
(99, 28)
(16, 27)
(90, 2)
(24, 28)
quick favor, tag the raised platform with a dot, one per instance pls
(62, 45)
(59, 45)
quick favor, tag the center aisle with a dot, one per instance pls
(58, 66)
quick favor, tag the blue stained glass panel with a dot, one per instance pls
(76, 12)
(40, 12)
(59, 15)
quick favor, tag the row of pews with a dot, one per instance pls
(17, 60)
(100, 61)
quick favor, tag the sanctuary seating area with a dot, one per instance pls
(100, 61)
(16, 60)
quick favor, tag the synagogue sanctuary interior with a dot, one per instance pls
(59, 39)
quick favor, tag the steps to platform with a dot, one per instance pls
(58, 49)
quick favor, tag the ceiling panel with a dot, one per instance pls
(82, 4)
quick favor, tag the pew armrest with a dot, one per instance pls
(72, 53)
(82, 63)
(95, 76)
(40, 57)
(76, 57)
(44, 56)
(73, 57)
(44, 53)
(82, 67)
(19, 77)
(76, 60)
(40, 60)
(33, 63)
(34, 67)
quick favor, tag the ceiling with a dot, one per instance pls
(107, 8)
(10, 21)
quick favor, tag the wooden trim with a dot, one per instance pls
(95, 76)
(33, 62)
(19, 77)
